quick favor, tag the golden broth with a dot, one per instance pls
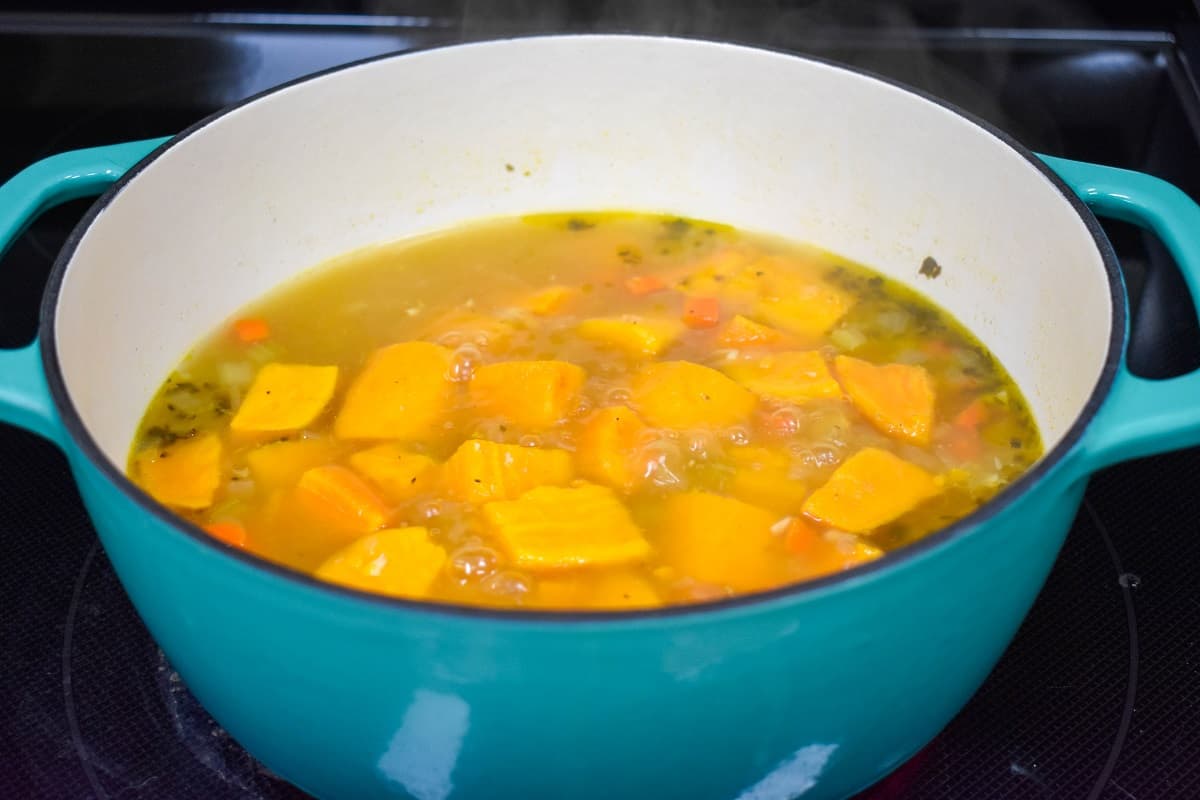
(607, 410)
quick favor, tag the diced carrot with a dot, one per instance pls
(552, 528)
(719, 540)
(816, 555)
(897, 398)
(602, 589)
(280, 464)
(397, 472)
(639, 285)
(605, 450)
(339, 498)
(531, 394)
(403, 392)
(762, 477)
(742, 331)
(794, 376)
(963, 443)
(231, 533)
(635, 335)
(185, 474)
(682, 394)
(401, 562)
(549, 300)
(251, 330)
(284, 397)
(701, 312)
(973, 415)
(937, 348)
(480, 471)
(871, 488)
(801, 537)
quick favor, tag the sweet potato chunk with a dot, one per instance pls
(871, 488)
(633, 335)
(804, 307)
(680, 394)
(480, 470)
(794, 376)
(551, 528)
(280, 464)
(550, 300)
(530, 394)
(401, 562)
(339, 498)
(403, 393)
(606, 448)
(603, 589)
(719, 540)
(897, 398)
(185, 474)
(285, 397)
(742, 331)
(461, 326)
(397, 472)
(762, 478)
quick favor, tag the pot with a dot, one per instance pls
(815, 690)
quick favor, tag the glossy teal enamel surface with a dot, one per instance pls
(24, 399)
(816, 693)
(1141, 416)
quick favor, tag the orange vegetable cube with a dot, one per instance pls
(606, 448)
(531, 394)
(729, 272)
(398, 473)
(339, 498)
(552, 528)
(460, 326)
(550, 300)
(639, 285)
(719, 540)
(280, 464)
(804, 307)
(403, 393)
(250, 331)
(897, 398)
(636, 336)
(401, 562)
(762, 478)
(285, 397)
(480, 470)
(681, 394)
(601, 590)
(871, 488)
(701, 311)
(185, 474)
(742, 331)
(794, 376)
(231, 533)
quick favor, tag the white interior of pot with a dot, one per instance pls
(755, 139)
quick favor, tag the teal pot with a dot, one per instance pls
(815, 690)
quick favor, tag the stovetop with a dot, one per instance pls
(1098, 696)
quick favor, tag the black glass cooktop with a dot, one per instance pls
(1098, 696)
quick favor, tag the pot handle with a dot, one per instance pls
(1141, 417)
(24, 396)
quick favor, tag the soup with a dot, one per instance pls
(585, 411)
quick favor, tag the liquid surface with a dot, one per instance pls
(587, 411)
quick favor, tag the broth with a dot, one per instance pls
(611, 410)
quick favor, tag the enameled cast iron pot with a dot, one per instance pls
(815, 690)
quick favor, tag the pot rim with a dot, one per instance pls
(78, 433)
